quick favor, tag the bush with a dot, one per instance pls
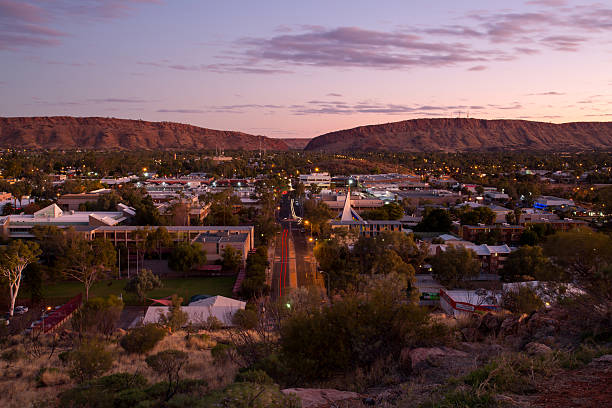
(523, 300)
(12, 355)
(464, 399)
(121, 390)
(143, 282)
(213, 323)
(142, 339)
(98, 315)
(254, 376)
(48, 376)
(168, 363)
(246, 319)
(89, 360)
(200, 342)
(176, 317)
(221, 353)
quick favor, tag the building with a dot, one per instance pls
(350, 221)
(358, 203)
(459, 303)
(505, 233)
(492, 257)
(198, 312)
(322, 180)
(550, 202)
(20, 226)
(214, 243)
(74, 201)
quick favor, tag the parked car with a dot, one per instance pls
(21, 310)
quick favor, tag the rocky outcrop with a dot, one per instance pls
(462, 134)
(320, 398)
(64, 132)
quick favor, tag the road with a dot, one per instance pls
(293, 264)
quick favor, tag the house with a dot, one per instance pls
(506, 233)
(198, 312)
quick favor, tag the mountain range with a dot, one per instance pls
(463, 134)
(458, 134)
(65, 132)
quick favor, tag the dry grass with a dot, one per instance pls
(23, 385)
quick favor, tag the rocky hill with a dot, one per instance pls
(464, 134)
(64, 132)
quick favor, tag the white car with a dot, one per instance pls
(21, 310)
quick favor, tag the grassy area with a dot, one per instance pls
(184, 287)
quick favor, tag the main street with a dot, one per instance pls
(293, 264)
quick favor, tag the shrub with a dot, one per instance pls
(143, 282)
(50, 376)
(98, 315)
(12, 355)
(254, 376)
(142, 339)
(89, 360)
(176, 317)
(213, 323)
(200, 342)
(221, 353)
(464, 399)
(245, 319)
(168, 363)
(121, 390)
(523, 300)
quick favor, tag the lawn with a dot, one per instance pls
(184, 287)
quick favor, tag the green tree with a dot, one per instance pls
(89, 360)
(478, 215)
(88, 261)
(158, 239)
(185, 256)
(528, 263)
(452, 267)
(168, 363)
(143, 282)
(435, 220)
(14, 258)
(98, 315)
(586, 257)
(231, 259)
(176, 316)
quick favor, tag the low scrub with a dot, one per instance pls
(142, 339)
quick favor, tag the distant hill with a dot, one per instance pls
(467, 134)
(297, 143)
(65, 132)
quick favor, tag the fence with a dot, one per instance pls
(56, 317)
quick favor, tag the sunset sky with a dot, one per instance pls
(303, 68)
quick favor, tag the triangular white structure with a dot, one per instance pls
(348, 214)
(51, 211)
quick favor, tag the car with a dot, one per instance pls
(21, 310)
(302, 230)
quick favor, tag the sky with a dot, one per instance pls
(303, 68)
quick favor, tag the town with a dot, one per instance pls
(299, 269)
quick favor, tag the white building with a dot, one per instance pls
(320, 179)
(198, 312)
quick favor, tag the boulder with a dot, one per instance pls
(535, 348)
(471, 334)
(320, 397)
(421, 357)
(488, 323)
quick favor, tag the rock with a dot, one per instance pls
(318, 397)
(534, 348)
(470, 334)
(405, 362)
(605, 359)
(488, 323)
(421, 357)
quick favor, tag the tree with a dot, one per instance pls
(88, 261)
(528, 263)
(176, 317)
(89, 360)
(143, 282)
(435, 220)
(168, 363)
(14, 258)
(478, 215)
(453, 266)
(231, 259)
(586, 256)
(99, 315)
(158, 239)
(185, 256)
